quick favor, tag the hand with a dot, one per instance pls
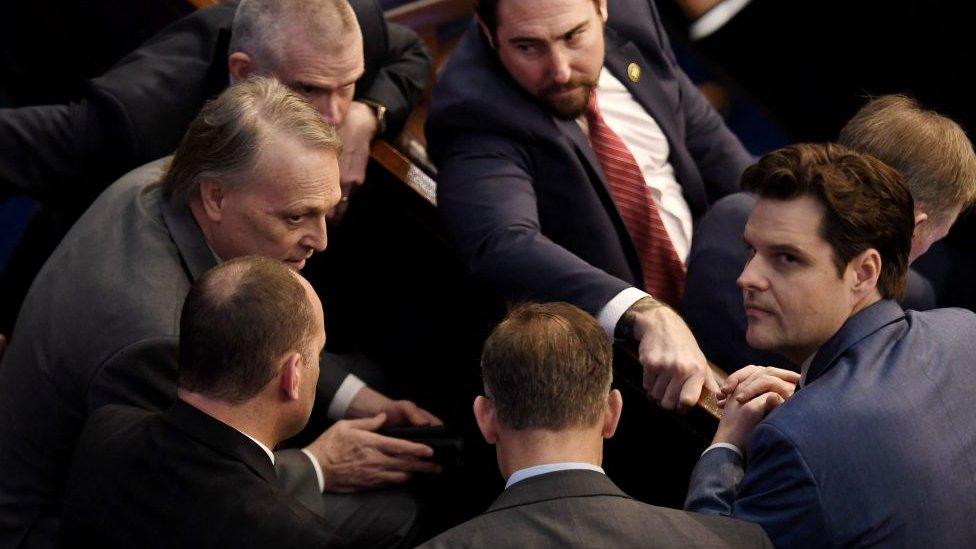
(404, 412)
(750, 394)
(369, 402)
(354, 458)
(675, 369)
(356, 133)
(752, 381)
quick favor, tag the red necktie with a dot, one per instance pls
(664, 273)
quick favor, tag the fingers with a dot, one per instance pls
(416, 415)
(410, 465)
(711, 383)
(368, 423)
(759, 385)
(398, 446)
(737, 377)
(688, 393)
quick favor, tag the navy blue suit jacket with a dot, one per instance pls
(877, 449)
(712, 304)
(522, 193)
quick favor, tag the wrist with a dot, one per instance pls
(378, 111)
(636, 322)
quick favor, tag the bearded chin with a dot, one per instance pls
(572, 107)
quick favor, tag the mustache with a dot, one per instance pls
(571, 85)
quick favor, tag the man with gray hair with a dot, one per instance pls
(255, 174)
(363, 74)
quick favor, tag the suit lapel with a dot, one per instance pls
(197, 256)
(557, 485)
(222, 438)
(856, 328)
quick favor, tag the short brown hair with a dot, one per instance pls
(866, 203)
(238, 320)
(487, 11)
(226, 138)
(930, 150)
(547, 366)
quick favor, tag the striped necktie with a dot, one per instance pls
(664, 272)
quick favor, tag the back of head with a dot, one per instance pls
(238, 320)
(547, 366)
(931, 151)
(262, 27)
(230, 133)
(866, 203)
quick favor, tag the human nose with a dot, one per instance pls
(752, 276)
(560, 68)
(317, 237)
(329, 106)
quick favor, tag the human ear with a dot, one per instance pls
(212, 194)
(291, 378)
(484, 414)
(602, 9)
(615, 406)
(240, 66)
(867, 268)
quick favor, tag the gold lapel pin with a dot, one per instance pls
(634, 72)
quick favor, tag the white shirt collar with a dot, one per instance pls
(537, 470)
(263, 447)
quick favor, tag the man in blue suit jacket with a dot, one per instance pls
(877, 449)
(525, 196)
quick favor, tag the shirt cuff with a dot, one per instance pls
(732, 447)
(716, 18)
(318, 469)
(615, 308)
(343, 397)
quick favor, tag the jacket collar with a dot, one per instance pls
(221, 437)
(556, 485)
(183, 229)
(858, 327)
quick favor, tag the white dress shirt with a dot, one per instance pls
(649, 146)
(537, 470)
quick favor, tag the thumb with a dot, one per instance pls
(772, 401)
(710, 382)
(369, 423)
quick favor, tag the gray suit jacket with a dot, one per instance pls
(877, 449)
(100, 325)
(581, 508)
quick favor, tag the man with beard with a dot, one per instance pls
(574, 158)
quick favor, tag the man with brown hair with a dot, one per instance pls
(202, 472)
(254, 175)
(547, 408)
(939, 165)
(876, 450)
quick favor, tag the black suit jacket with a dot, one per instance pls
(580, 508)
(180, 478)
(139, 110)
(522, 192)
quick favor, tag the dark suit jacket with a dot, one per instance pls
(139, 110)
(522, 192)
(178, 479)
(877, 449)
(712, 304)
(100, 325)
(585, 509)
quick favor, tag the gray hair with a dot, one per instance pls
(262, 26)
(230, 132)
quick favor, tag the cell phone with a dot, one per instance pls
(447, 446)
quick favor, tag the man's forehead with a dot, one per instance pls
(792, 221)
(542, 18)
(338, 63)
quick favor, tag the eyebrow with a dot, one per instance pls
(535, 40)
(788, 249)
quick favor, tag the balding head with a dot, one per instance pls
(238, 321)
